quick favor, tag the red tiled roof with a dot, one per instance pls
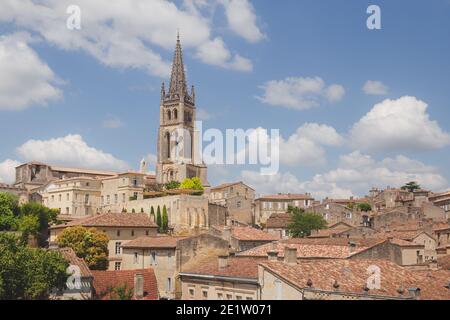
(444, 262)
(105, 280)
(326, 233)
(72, 258)
(137, 220)
(278, 220)
(237, 267)
(404, 243)
(320, 248)
(352, 275)
(226, 185)
(288, 196)
(153, 242)
(251, 234)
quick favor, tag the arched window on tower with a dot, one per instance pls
(167, 141)
(175, 114)
(169, 115)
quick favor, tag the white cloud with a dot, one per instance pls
(216, 53)
(355, 175)
(305, 146)
(126, 34)
(242, 19)
(70, 150)
(398, 125)
(377, 88)
(112, 122)
(7, 170)
(300, 93)
(25, 80)
(204, 115)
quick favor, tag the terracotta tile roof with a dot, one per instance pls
(288, 196)
(72, 258)
(314, 248)
(237, 267)
(153, 242)
(229, 184)
(124, 220)
(104, 280)
(404, 243)
(251, 234)
(444, 262)
(82, 170)
(278, 220)
(326, 233)
(352, 275)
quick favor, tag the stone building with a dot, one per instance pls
(346, 280)
(334, 212)
(222, 278)
(266, 205)
(237, 197)
(119, 227)
(278, 224)
(178, 155)
(243, 237)
(73, 197)
(167, 256)
(22, 193)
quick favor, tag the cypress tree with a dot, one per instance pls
(158, 219)
(165, 220)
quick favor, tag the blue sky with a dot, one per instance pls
(90, 97)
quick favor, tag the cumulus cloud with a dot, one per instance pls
(126, 34)
(204, 115)
(398, 125)
(376, 88)
(355, 175)
(242, 18)
(70, 150)
(25, 80)
(7, 170)
(300, 93)
(306, 145)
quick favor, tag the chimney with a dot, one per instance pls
(352, 246)
(138, 286)
(290, 255)
(272, 255)
(226, 235)
(223, 261)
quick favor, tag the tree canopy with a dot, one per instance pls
(88, 244)
(29, 273)
(302, 223)
(192, 184)
(364, 206)
(165, 220)
(411, 186)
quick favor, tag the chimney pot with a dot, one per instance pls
(138, 286)
(290, 255)
(223, 261)
(272, 255)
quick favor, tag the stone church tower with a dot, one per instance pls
(178, 139)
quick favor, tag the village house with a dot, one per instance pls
(167, 255)
(278, 224)
(344, 280)
(441, 200)
(222, 278)
(243, 237)
(237, 197)
(119, 227)
(140, 284)
(335, 212)
(265, 206)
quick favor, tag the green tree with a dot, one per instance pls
(88, 244)
(364, 206)
(165, 220)
(43, 215)
(121, 292)
(302, 223)
(192, 184)
(159, 219)
(9, 210)
(29, 273)
(411, 186)
(172, 185)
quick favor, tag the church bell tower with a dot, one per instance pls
(177, 156)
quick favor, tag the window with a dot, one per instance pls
(86, 198)
(116, 198)
(53, 198)
(108, 199)
(135, 182)
(238, 297)
(132, 233)
(136, 258)
(118, 233)
(118, 244)
(220, 296)
(249, 298)
(229, 297)
(67, 196)
(123, 197)
(191, 292)
(238, 204)
(146, 232)
(117, 266)
(153, 258)
(205, 294)
(169, 284)
(59, 198)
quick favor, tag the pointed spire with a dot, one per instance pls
(163, 91)
(178, 85)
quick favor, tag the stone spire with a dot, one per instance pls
(178, 83)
